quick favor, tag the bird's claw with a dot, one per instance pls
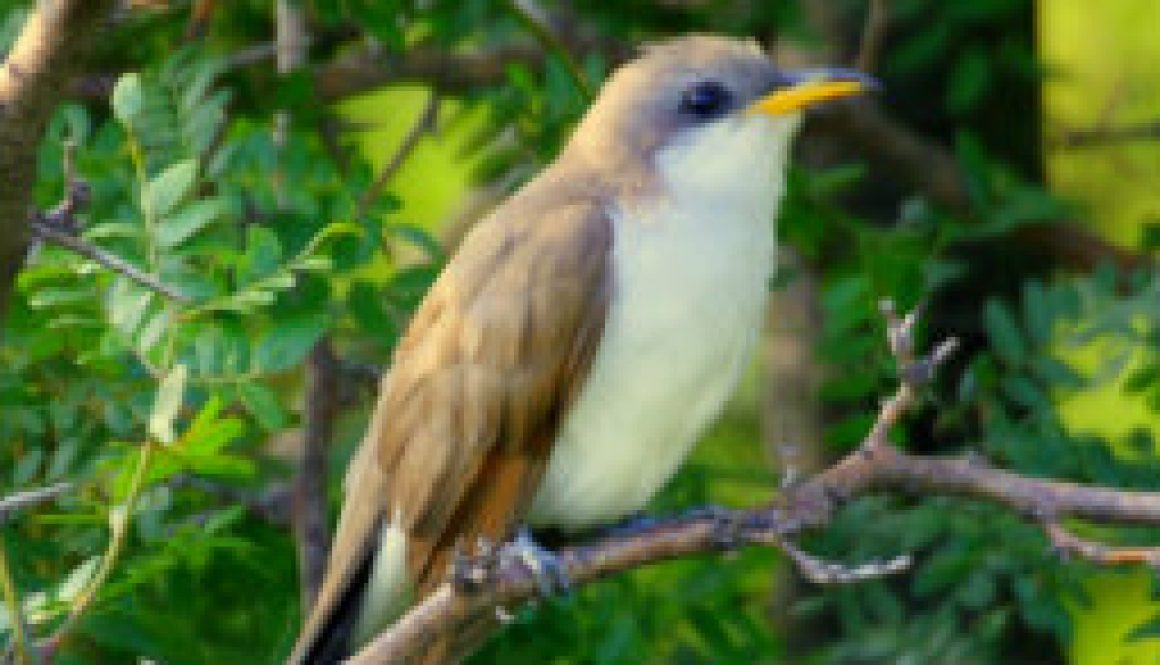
(727, 528)
(545, 567)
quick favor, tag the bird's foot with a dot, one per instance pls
(728, 533)
(472, 570)
(545, 567)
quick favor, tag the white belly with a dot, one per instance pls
(690, 292)
(691, 271)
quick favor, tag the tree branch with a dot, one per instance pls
(14, 503)
(60, 227)
(497, 582)
(113, 262)
(533, 17)
(873, 34)
(309, 514)
(49, 49)
(1101, 135)
(424, 123)
(1066, 542)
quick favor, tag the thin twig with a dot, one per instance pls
(1106, 134)
(200, 16)
(536, 21)
(24, 653)
(14, 503)
(60, 226)
(424, 123)
(873, 34)
(119, 519)
(1067, 542)
(821, 571)
(110, 261)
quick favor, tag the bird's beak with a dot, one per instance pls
(810, 88)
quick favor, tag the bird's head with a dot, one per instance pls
(710, 107)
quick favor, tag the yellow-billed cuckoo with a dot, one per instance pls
(573, 349)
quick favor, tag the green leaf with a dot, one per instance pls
(366, 307)
(287, 342)
(331, 232)
(128, 98)
(263, 404)
(262, 256)
(208, 434)
(168, 188)
(1006, 338)
(112, 230)
(77, 579)
(167, 404)
(421, 238)
(180, 226)
(1150, 629)
(316, 263)
(969, 81)
(1024, 392)
(1037, 312)
(127, 305)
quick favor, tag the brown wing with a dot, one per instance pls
(480, 382)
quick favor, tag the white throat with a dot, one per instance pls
(691, 269)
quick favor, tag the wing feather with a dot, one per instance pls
(466, 418)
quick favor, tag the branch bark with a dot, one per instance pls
(320, 404)
(876, 466)
(311, 528)
(49, 50)
(14, 503)
(800, 508)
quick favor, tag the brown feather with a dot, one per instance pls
(480, 382)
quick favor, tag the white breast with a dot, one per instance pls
(691, 270)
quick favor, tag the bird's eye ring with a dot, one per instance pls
(705, 99)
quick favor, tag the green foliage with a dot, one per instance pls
(165, 412)
(131, 394)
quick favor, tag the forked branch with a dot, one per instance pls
(875, 466)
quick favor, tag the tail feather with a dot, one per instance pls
(328, 640)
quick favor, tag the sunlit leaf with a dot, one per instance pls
(168, 188)
(263, 403)
(181, 225)
(127, 97)
(167, 404)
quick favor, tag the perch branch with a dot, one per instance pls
(811, 504)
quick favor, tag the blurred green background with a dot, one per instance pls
(1007, 176)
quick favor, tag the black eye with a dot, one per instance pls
(706, 99)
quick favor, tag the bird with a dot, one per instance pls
(582, 336)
